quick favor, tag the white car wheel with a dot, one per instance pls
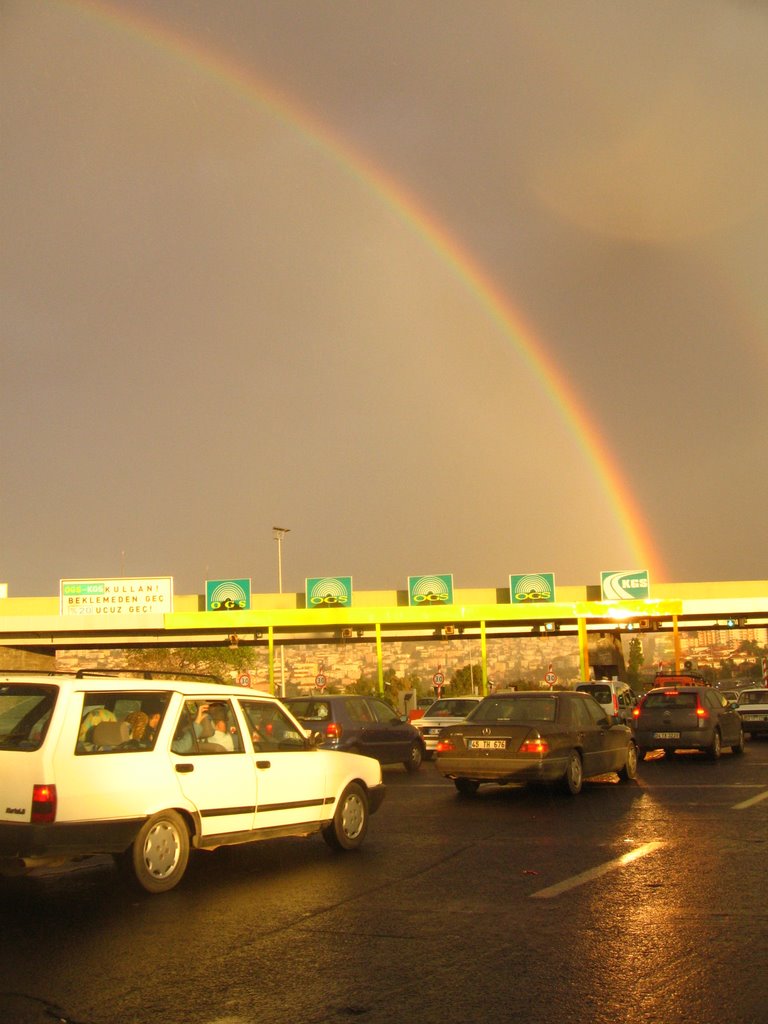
(159, 855)
(350, 822)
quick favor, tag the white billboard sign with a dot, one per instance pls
(127, 597)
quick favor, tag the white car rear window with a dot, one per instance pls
(25, 711)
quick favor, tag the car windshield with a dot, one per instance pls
(449, 707)
(671, 699)
(754, 697)
(25, 711)
(516, 709)
(602, 694)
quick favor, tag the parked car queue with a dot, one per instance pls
(148, 770)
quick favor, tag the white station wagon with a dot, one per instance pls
(147, 769)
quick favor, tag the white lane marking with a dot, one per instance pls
(707, 785)
(601, 869)
(752, 800)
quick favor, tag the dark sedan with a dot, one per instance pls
(535, 736)
(361, 725)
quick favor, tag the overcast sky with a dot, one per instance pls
(220, 313)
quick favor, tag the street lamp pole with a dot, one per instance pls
(278, 532)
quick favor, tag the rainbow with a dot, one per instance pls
(413, 212)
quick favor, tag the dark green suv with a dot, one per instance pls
(684, 717)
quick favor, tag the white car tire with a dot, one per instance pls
(350, 821)
(159, 854)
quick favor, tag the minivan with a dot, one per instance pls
(617, 699)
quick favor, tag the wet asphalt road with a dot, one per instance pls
(517, 905)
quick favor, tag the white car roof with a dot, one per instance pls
(118, 684)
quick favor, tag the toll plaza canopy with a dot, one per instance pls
(46, 624)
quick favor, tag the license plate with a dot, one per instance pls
(755, 718)
(666, 735)
(487, 744)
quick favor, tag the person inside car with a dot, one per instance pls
(144, 723)
(221, 734)
(90, 720)
(194, 723)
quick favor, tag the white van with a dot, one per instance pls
(617, 699)
(147, 769)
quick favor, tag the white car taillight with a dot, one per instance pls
(43, 804)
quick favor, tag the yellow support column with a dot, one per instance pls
(676, 641)
(583, 649)
(484, 658)
(379, 659)
(271, 653)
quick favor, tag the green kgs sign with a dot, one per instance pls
(429, 590)
(625, 586)
(227, 595)
(533, 588)
(329, 592)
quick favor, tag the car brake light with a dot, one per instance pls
(615, 704)
(702, 712)
(43, 804)
(534, 745)
(333, 730)
(444, 746)
(635, 712)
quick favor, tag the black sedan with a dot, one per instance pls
(535, 736)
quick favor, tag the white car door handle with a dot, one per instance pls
(263, 764)
(185, 768)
